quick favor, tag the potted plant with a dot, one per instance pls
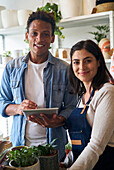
(101, 37)
(22, 157)
(102, 32)
(53, 8)
(47, 155)
(6, 57)
(27, 157)
(68, 148)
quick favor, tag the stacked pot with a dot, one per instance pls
(1, 8)
(12, 18)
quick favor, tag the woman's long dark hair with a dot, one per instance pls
(102, 76)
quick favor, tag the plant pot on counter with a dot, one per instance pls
(36, 166)
(20, 159)
(50, 162)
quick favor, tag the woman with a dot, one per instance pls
(91, 124)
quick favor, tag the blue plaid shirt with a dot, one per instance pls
(56, 94)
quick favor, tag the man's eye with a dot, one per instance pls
(34, 34)
(46, 35)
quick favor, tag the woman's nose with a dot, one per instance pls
(82, 65)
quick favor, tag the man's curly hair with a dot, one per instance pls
(44, 16)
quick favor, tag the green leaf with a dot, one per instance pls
(53, 8)
(102, 32)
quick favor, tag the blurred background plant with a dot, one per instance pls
(7, 54)
(102, 32)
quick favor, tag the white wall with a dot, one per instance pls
(24, 4)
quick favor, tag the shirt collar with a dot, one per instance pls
(50, 58)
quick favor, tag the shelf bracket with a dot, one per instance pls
(3, 41)
(111, 25)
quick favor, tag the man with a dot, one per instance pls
(35, 81)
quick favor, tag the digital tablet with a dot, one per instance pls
(47, 111)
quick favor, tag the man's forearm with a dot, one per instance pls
(11, 109)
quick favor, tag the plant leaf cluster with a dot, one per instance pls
(7, 54)
(24, 157)
(102, 32)
(44, 150)
(68, 146)
(53, 8)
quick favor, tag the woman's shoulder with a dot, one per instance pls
(107, 87)
(106, 92)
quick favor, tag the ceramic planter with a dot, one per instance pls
(36, 166)
(88, 6)
(5, 60)
(104, 44)
(12, 166)
(70, 8)
(22, 16)
(1, 8)
(9, 18)
(49, 162)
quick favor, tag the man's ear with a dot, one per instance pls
(53, 38)
(26, 36)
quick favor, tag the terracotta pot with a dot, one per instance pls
(67, 151)
(104, 44)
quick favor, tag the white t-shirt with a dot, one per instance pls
(34, 91)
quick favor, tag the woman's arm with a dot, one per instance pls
(102, 130)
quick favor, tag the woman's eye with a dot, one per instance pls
(87, 61)
(75, 62)
(46, 35)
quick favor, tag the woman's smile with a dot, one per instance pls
(84, 65)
